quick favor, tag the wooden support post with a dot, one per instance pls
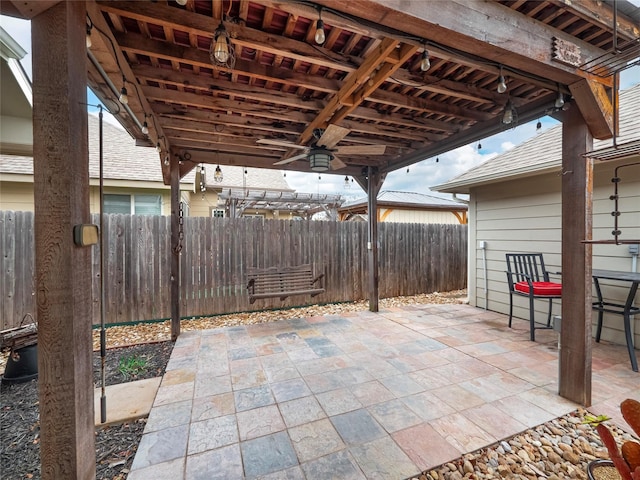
(63, 270)
(577, 194)
(373, 187)
(176, 247)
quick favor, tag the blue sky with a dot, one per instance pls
(419, 176)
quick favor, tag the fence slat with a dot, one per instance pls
(414, 258)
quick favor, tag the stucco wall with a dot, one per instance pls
(525, 216)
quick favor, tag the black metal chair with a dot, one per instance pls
(528, 277)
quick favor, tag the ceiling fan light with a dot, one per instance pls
(319, 160)
(320, 37)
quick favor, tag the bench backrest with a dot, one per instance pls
(298, 277)
(526, 266)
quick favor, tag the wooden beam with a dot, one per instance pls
(350, 84)
(577, 211)
(377, 78)
(596, 108)
(176, 246)
(63, 270)
(598, 12)
(479, 28)
(374, 183)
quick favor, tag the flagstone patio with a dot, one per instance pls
(358, 396)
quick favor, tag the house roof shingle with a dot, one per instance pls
(409, 199)
(123, 160)
(543, 153)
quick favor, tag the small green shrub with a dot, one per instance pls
(132, 365)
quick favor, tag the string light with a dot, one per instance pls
(145, 126)
(479, 145)
(538, 126)
(346, 182)
(559, 99)
(181, 2)
(425, 63)
(320, 37)
(88, 39)
(437, 159)
(502, 84)
(507, 117)
(217, 175)
(203, 178)
(124, 98)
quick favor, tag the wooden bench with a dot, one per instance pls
(527, 276)
(283, 282)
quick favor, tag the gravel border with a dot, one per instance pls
(558, 449)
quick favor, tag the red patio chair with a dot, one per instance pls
(528, 277)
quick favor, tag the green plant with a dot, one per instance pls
(131, 365)
(627, 461)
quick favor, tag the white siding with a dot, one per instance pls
(525, 216)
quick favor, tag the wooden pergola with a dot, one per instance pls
(269, 93)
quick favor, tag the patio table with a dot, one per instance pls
(626, 310)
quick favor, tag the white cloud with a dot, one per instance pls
(507, 146)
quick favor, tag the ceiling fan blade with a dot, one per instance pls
(279, 143)
(362, 149)
(291, 159)
(337, 164)
(332, 135)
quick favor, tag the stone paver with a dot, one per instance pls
(361, 396)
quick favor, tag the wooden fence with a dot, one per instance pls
(414, 258)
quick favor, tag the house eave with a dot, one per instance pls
(465, 186)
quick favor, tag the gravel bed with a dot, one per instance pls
(561, 448)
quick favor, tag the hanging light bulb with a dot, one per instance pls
(559, 100)
(221, 49)
(203, 178)
(502, 84)
(217, 175)
(124, 98)
(88, 39)
(166, 160)
(425, 63)
(507, 118)
(158, 148)
(479, 145)
(145, 127)
(538, 126)
(320, 36)
(437, 159)
(346, 182)
(181, 2)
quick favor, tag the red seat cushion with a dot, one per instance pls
(540, 288)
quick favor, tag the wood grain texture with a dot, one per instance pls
(63, 270)
(577, 209)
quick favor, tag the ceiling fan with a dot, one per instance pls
(321, 153)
